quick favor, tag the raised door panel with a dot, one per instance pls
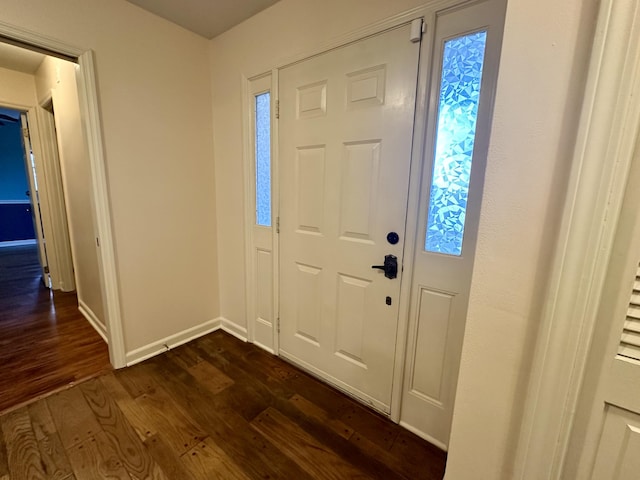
(618, 456)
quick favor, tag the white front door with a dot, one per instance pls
(346, 122)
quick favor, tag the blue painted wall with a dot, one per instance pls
(15, 218)
(13, 178)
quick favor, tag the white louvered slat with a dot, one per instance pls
(630, 340)
(632, 325)
(633, 312)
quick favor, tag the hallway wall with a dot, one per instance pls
(154, 92)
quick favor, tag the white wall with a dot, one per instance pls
(17, 88)
(155, 99)
(543, 67)
(57, 77)
(538, 97)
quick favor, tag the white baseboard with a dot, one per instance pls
(151, 350)
(93, 320)
(233, 329)
(17, 243)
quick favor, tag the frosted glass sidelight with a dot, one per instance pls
(457, 115)
(263, 159)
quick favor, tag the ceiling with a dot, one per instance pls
(208, 18)
(204, 17)
(19, 59)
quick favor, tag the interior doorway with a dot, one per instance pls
(50, 337)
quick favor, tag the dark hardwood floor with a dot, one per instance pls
(216, 408)
(45, 343)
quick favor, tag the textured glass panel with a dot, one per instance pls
(457, 114)
(263, 160)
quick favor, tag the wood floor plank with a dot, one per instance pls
(22, 447)
(312, 410)
(120, 433)
(135, 380)
(141, 420)
(305, 450)
(274, 421)
(45, 342)
(73, 419)
(251, 389)
(209, 376)
(177, 428)
(41, 419)
(258, 387)
(416, 455)
(95, 458)
(237, 366)
(166, 458)
(371, 424)
(4, 461)
(207, 461)
(255, 455)
(184, 356)
(54, 457)
(326, 435)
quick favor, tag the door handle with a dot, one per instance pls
(390, 266)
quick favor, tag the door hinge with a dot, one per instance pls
(277, 224)
(25, 132)
(278, 324)
(97, 242)
(46, 269)
(277, 108)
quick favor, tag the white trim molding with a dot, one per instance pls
(155, 348)
(92, 318)
(233, 328)
(607, 134)
(160, 346)
(88, 97)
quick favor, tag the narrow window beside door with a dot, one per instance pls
(459, 98)
(263, 158)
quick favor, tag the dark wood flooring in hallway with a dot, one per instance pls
(214, 409)
(45, 342)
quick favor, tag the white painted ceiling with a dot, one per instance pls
(208, 18)
(20, 59)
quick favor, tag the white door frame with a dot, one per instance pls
(605, 144)
(88, 97)
(60, 255)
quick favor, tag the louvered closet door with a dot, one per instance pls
(618, 455)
